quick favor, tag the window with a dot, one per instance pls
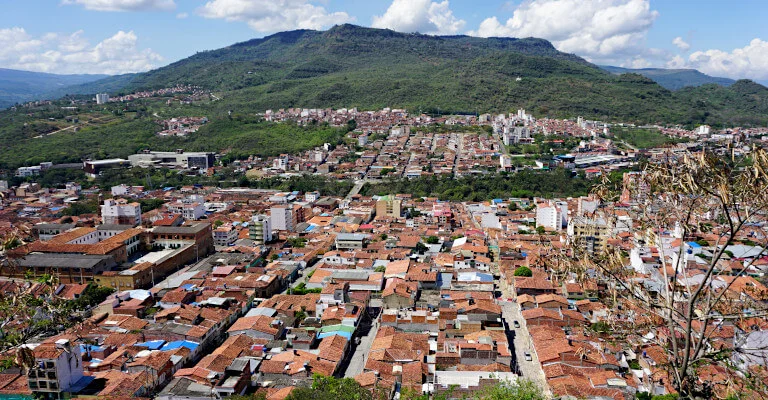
(43, 385)
(49, 364)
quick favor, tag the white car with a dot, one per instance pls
(528, 356)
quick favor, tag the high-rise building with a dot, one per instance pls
(388, 206)
(260, 229)
(102, 98)
(281, 218)
(551, 215)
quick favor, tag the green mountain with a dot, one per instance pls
(351, 66)
(19, 86)
(672, 79)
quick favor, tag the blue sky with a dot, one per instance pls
(116, 36)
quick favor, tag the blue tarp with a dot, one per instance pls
(180, 343)
(152, 344)
(693, 244)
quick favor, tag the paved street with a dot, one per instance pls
(357, 362)
(530, 370)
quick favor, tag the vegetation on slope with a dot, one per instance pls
(527, 183)
(350, 66)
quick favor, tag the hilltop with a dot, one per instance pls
(672, 79)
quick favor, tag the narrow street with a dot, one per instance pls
(360, 355)
(521, 342)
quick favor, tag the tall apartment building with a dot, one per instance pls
(120, 212)
(590, 233)
(388, 206)
(282, 218)
(260, 229)
(102, 98)
(551, 215)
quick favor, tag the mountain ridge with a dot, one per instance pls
(19, 85)
(672, 79)
(353, 66)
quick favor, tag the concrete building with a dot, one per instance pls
(102, 98)
(58, 368)
(282, 218)
(591, 233)
(120, 212)
(178, 158)
(190, 209)
(225, 235)
(260, 229)
(350, 241)
(552, 216)
(388, 206)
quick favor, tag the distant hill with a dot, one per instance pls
(352, 66)
(19, 86)
(672, 79)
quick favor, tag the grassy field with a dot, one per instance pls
(644, 138)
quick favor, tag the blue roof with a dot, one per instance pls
(152, 344)
(347, 335)
(180, 343)
(693, 244)
(168, 188)
(497, 200)
(187, 286)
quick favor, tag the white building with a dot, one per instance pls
(703, 130)
(102, 98)
(506, 162)
(311, 197)
(120, 212)
(189, 209)
(260, 229)
(225, 235)
(58, 367)
(281, 218)
(121, 190)
(552, 215)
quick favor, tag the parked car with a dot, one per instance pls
(528, 356)
(516, 324)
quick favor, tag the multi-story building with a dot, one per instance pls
(120, 212)
(102, 98)
(282, 218)
(178, 158)
(552, 215)
(388, 206)
(225, 235)
(260, 229)
(189, 209)
(58, 368)
(591, 233)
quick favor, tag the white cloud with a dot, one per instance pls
(73, 54)
(681, 44)
(182, 15)
(423, 16)
(274, 15)
(599, 30)
(750, 61)
(124, 5)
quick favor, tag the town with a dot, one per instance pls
(203, 291)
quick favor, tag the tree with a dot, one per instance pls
(540, 230)
(330, 388)
(432, 240)
(523, 271)
(685, 304)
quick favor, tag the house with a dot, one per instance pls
(399, 294)
(258, 327)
